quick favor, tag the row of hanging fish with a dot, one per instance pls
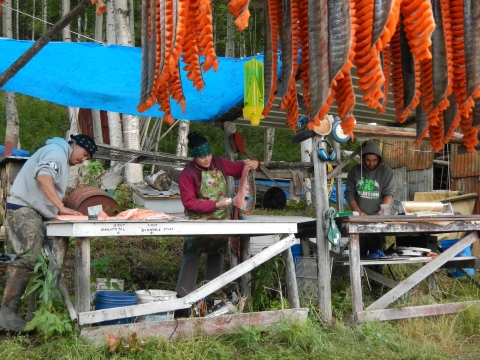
(430, 49)
(178, 32)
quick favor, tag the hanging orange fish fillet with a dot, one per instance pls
(343, 87)
(290, 42)
(204, 29)
(321, 96)
(405, 75)
(419, 25)
(436, 134)
(270, 62)
(303, 66)
(239, 10)
(167, 37)
(426, 91)
(100, 8)
(367, 59)
(175, 88)
(472, 54)
(451, 118)
(459, 32)
(179, 31)
(437, 74)
(385, 19)
(191, 53)
(386, 66)
(163, 100)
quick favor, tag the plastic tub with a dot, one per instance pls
(445, 244)
(114, 299)
(296, 251)
(149, 296)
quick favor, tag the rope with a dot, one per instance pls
(49, 23)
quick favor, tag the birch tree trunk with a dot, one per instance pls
(230, 45)
(97, 121)
(183, 129)
(114, 121)
(131, 131)
(71, 111)
(132, 23)
(44, 16)
(12, 129)
(268, 140)
(66, 34)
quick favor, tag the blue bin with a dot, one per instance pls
(445, 244)
(296, 252)
(113, 299)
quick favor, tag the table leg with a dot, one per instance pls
(291, 279)
(355, 275)
(82, 274)
(305, 243)
(245, 288)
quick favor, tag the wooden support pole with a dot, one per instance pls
(355, 275)
(291, 279)
(305, 244)
(338, 181)
(41, 42)
(82, 274)
(245, 287)
(229, 129)
(323, 254)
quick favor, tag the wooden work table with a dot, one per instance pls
(354, 226)
(82, 231)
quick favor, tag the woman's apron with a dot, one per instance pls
(213, 187)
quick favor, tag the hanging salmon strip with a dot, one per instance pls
(270, 62)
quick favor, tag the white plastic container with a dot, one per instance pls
(149, 296)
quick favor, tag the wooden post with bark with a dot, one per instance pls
(323, 246)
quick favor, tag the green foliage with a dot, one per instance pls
(40, 120)
(100, 269)
(51, 318)
(266, 285)
(123, 196)
(100, 266)
(92, 173)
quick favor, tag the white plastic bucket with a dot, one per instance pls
(149, 296)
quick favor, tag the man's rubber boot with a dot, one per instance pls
(16, 283)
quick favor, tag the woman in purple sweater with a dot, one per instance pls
(203, 191)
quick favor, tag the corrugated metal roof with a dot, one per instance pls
(463, 165)
(398, 154)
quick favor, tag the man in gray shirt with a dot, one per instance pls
(369, 185)
(36, 196)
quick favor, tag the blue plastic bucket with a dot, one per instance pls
(296, 251)
(445, 244)
(114, 299)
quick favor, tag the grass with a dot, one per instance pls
(443, 337)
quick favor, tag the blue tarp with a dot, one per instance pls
(100, 77)
(15, 152)
(333, 195)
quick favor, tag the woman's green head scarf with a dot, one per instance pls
(198, 145)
